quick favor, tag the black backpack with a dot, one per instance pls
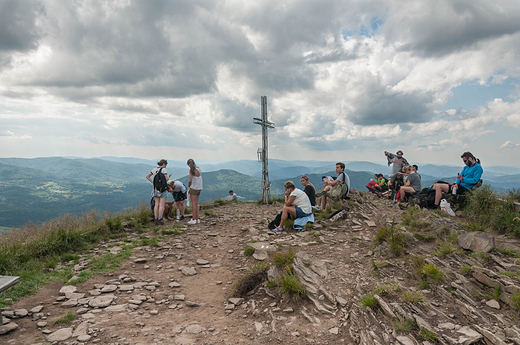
(425, 198)
(159, 181)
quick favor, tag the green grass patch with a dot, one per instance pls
(427, 335)
(284, 259)
(508, 252)
(69, 317)
(403, 325)
(369, 301)
(413, 297)
(291, 285)
(248, 251)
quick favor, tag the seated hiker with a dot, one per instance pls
(234, 196)
(327, 186)
(309, 190)
(382, 182)
(470, 175)
(412, 184)
(178, 190)
(297, 204)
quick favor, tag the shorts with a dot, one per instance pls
(157, 194)
(300, 213)
(194, 191)
(179, 196)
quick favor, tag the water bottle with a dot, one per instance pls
(454, 189)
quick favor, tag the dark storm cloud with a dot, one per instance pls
(18, 30)
(444, 27)
(382, 108)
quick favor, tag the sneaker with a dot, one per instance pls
(182, 217)
(198, 221)
(193, 221)
(278, 229)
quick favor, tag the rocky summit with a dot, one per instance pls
(372, 274)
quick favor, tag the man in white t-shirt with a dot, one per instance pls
(327, 186)
(297, 204)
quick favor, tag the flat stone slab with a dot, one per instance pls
(69, 289)
(102, 301)
(11, 326)
(109, 288)
(116, 308)
(126, 288)
(202, 262)
(174, 285)
(60, 335)
(188, 271)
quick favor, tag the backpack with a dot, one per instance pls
(340, 190)
(425, 198)
(274, 223)
(159, 181)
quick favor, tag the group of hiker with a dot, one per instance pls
(159, 178)
(404, 182)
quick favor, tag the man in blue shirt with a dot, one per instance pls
(469, 177)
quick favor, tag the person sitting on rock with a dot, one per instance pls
(470, 175)
(309, 190)
(412, 184)
(327, 186)
(297, 204)
(234, 196)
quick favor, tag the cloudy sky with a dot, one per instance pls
(345, 80)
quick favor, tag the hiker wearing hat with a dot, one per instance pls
(397, 160)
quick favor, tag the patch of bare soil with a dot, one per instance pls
(181, 291)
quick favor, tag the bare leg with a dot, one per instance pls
(162, 201)
(180, 206)
(156, 207)
(324, 196)
(439, 189)
(195, 206)
(287, 210)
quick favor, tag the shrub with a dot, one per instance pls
(70, 316)
(248, 251)
(431, 271)
(284, 259)
(369, 301)
(290, 284)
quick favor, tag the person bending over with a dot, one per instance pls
(470, 175)
(178, 190)
(297, 204)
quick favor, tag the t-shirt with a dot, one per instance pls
(234, 197)
(179, 187)
(415, 181)
(311, 193)
(302, 200)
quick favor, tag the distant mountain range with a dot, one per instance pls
(35, 190)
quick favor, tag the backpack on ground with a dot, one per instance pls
(274, 223)
(425, 198)
(159, 181)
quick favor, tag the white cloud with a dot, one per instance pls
(509, 145)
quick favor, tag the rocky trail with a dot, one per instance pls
(180, 292)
